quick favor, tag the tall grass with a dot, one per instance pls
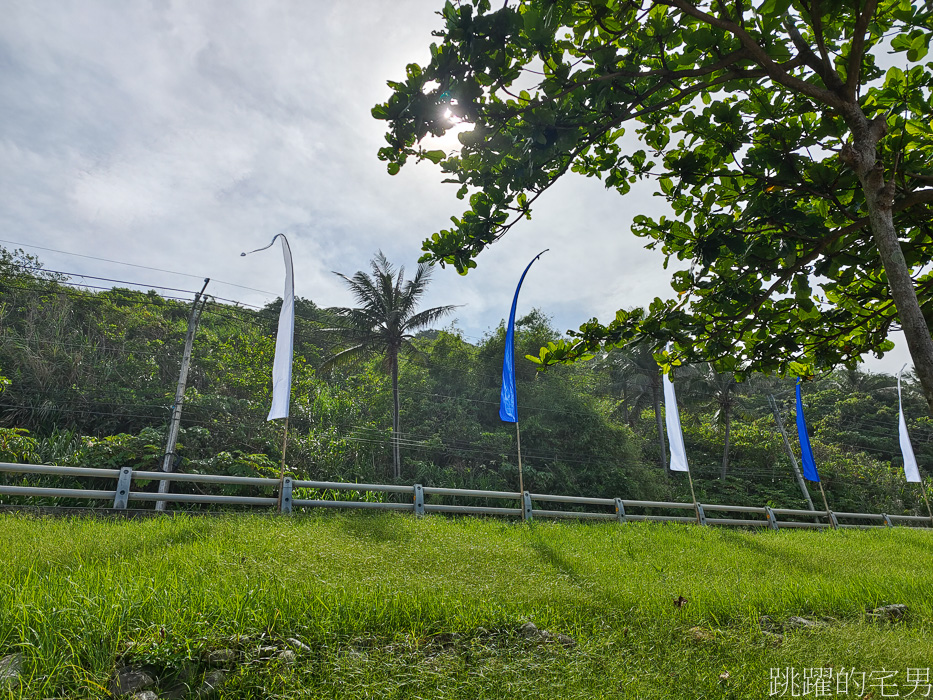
(371, 593)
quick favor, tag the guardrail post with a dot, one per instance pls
(286, 499)
(701, 514)
(526, 506)
(772, 518)
(620, 510)
(419, 500)
(832, 520)
(887, 520)
(123, 488)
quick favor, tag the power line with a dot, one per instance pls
(143, 267)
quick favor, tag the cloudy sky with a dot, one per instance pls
(176, 135)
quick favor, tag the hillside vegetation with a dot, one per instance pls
(90, 377)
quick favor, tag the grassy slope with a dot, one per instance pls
(369, 594)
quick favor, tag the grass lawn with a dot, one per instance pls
(389, 606)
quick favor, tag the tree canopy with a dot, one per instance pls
(797, 161)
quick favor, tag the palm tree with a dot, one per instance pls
(383, 324)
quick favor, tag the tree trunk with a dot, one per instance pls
(396, 455)
(861, 155)
(725, 451)
(656, 397)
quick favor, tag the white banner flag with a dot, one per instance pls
(284, 339)
(910, 461)
(675, 436)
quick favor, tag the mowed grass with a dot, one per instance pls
(397, 607)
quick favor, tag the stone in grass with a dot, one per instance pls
(566, 640)
(803, 623)
(145, 695)
(211, 685)
(299, 645)
(132, 679)
(10, 668)
(221, 657)
(529, 630)
(287, 655)
(897, 611)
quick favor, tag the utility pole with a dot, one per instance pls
(790, 452)
(173, 426)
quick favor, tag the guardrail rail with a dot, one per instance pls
(520, 505)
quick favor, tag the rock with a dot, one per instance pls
(179, 691)
(145, 695)
(889, 612)
(529, 630)
(566, 641)
(773, 639)
(287, 655)
(10, 668)
(221, 657)
(132, 679)
(213, 681)
(266, 652)
(299, 645)
(804, 623)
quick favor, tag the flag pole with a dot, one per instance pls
(696, 506)
(926, 500)
(508, 400)
(518, 442)
(282, 471)
(826, 505)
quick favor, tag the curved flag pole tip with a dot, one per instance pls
(284, 351)
(508, 401)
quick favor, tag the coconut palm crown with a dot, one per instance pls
(383, 323)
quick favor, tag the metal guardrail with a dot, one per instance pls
(613, 509)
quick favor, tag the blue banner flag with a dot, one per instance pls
(508, 399)
(806, 452)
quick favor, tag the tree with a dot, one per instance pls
(720, 392)
(798, 169)
(384, 323)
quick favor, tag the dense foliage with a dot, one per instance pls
(793, 152)
(92, 377)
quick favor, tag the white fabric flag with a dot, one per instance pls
(675, 436)
(910, 461)
(284, 339)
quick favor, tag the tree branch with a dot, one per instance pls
(758, 54)
(857, 50)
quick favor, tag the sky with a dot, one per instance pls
(176, 135)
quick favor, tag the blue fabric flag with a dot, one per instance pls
(806, 452)
(508, 399)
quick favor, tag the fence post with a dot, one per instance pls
(701, 514)
(772, 518)
(526, 506)
(123, 488)
(286, 499)
(620, 510)
(419, 500)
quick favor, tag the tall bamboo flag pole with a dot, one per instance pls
(806, 454)
(675, 438)
(284, 349)
(508, 398)
(911, 471)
